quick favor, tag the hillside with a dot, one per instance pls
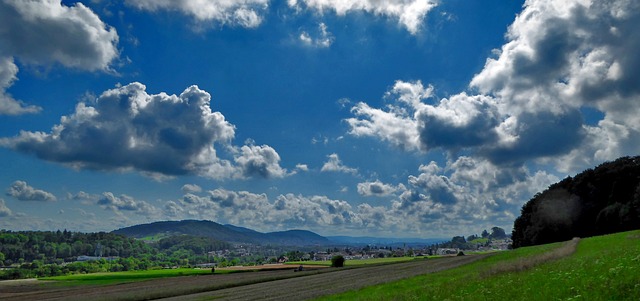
(220, 232)
(601, 268)
(595, 202)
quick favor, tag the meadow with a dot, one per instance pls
(601, 268)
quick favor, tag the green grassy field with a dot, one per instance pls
(602, 268)
(130, 276)
(358, 262)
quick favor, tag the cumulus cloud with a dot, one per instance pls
(453, 198)
(126, 203)
(4, 210)
(245, 13)
(191, 188)
(127, 128)
(377, 188)
(287, 211)
(23, 192)
(262, 161)
(335, 164)
(397, 124)
(560, 59)
(8, 105)
(409, 13)
(45, 33)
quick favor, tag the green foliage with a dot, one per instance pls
(42, 253)
(595, 202)
(337, 261)
(50, 246)
(602, 268)
(497, 233)
(195, 244)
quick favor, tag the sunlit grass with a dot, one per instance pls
(602, 268)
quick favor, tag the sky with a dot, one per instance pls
(389, 118)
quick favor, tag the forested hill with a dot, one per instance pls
(595, 202)
(228, 233)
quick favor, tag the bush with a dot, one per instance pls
(337, 261)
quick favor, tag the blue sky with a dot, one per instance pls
(403, 118)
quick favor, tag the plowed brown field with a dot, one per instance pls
(261, 285)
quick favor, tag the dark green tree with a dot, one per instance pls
(337, 261)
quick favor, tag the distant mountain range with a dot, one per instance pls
(227, 233)
(231, 233)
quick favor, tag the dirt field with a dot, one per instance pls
(262, 285)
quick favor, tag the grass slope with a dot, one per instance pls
(602, 268)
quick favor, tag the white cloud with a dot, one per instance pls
(8, 105)
(44, 33)
(335, 164)
(302, 167)
(159, 135)
(324, 38)
(561, 57)
(409, 13)
(558, 60)
(4, 210)
(377, 188)
(245, 13)
(128, 128)
(396, 125)
(126, 203)
(23, 192)
(261, 161)
(191, 188)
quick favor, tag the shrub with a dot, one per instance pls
(337, 261)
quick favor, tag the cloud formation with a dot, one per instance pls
(126, 128)
(126, 203)
(460, 196)
(377, 188)
(409, 13)
(262, 161)
(191, 188)
(4, 210)
(557, 62)
(562, 58)
(44, 33)
(245, 13)
(335, 164)
(23, 192)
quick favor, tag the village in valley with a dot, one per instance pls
(251, 253)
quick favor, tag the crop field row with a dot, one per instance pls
(358, 262)
(256, 285)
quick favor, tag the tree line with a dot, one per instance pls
(595, 202)
(52, 253)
